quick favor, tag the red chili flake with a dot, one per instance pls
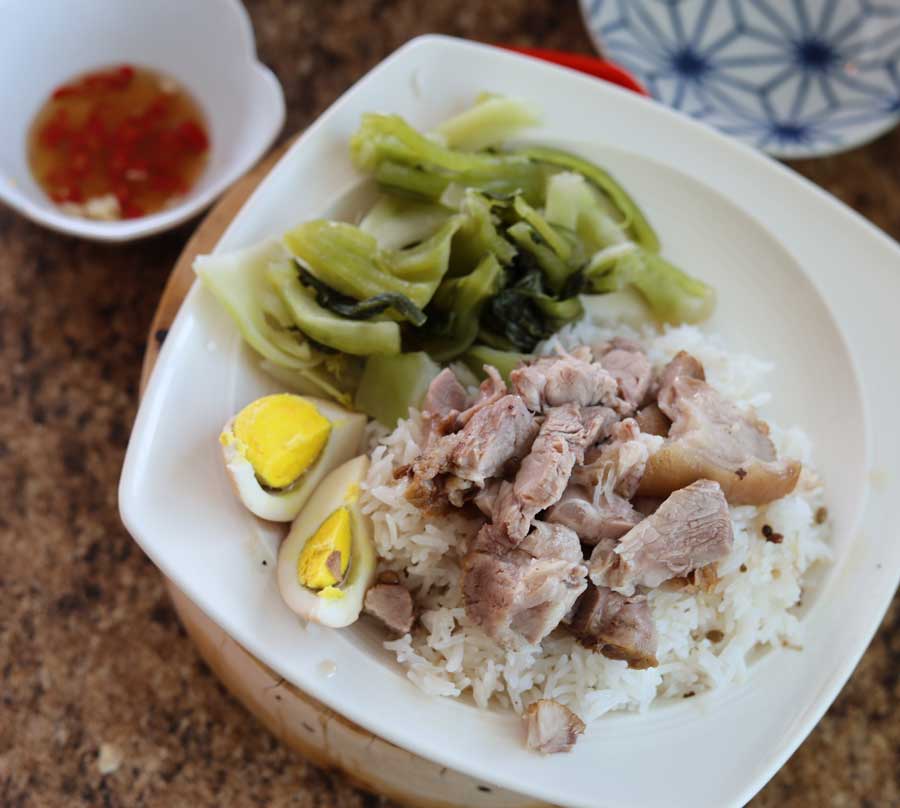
(80, 162)
(124, 75)
(132, 211)
(192, 137)
(66, 91)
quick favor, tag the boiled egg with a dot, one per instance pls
(327, 562)
(279, 447)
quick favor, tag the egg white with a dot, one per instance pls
(339, 489)
(344, 441)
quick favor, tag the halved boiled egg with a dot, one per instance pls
(327, 562)
(279, 447)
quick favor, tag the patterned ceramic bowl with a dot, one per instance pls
(795, 79)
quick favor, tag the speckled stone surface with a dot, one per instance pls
(103, 700)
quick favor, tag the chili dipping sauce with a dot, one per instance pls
(118, 143)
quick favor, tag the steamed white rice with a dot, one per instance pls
(753, 603)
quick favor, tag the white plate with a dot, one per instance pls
(801, 280)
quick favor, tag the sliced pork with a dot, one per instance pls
(567, 379)
(492, 389)
(690, 530)
(683, 365)
(522, 592)
(593, 519)
(618, 466)
(544, 473)
(551, 727)
(710, 438)
(619, 627)
(486, 499)
(497, 435)
(392, 604)
(443, 402)
(627, 363)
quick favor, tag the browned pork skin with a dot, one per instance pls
(690, 530)
(551, 727)
(522, 592)
(392, 605)
(652, 421)
(617, 626)
(710, 438)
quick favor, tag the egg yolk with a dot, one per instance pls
(281, 436)
(333, 536)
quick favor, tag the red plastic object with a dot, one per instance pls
(599, 68)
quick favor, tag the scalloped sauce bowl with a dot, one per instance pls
(207, 46)
(784, 293)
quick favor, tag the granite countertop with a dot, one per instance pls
(104, 700)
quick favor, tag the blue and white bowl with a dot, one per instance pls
(795, 78)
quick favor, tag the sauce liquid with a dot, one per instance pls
(118, 143)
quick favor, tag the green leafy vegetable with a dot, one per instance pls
(426, 262)
(673, 296)
(350, 336)
(348, 260)
(239, 280)
(361, 309)
(626, 306)
(395, 176)
(548, 233)
(489, 122)
(390, 385)
(634, 220)
(240, 284)
(505, 361)
(461, 301)
(525, 313)
(543, 228)
(574, 205)
(383, 139)
(556, 270)
(478, 235)
(398, 222)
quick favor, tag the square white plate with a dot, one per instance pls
(802, 280)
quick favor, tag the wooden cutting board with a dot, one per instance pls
(304, 724)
